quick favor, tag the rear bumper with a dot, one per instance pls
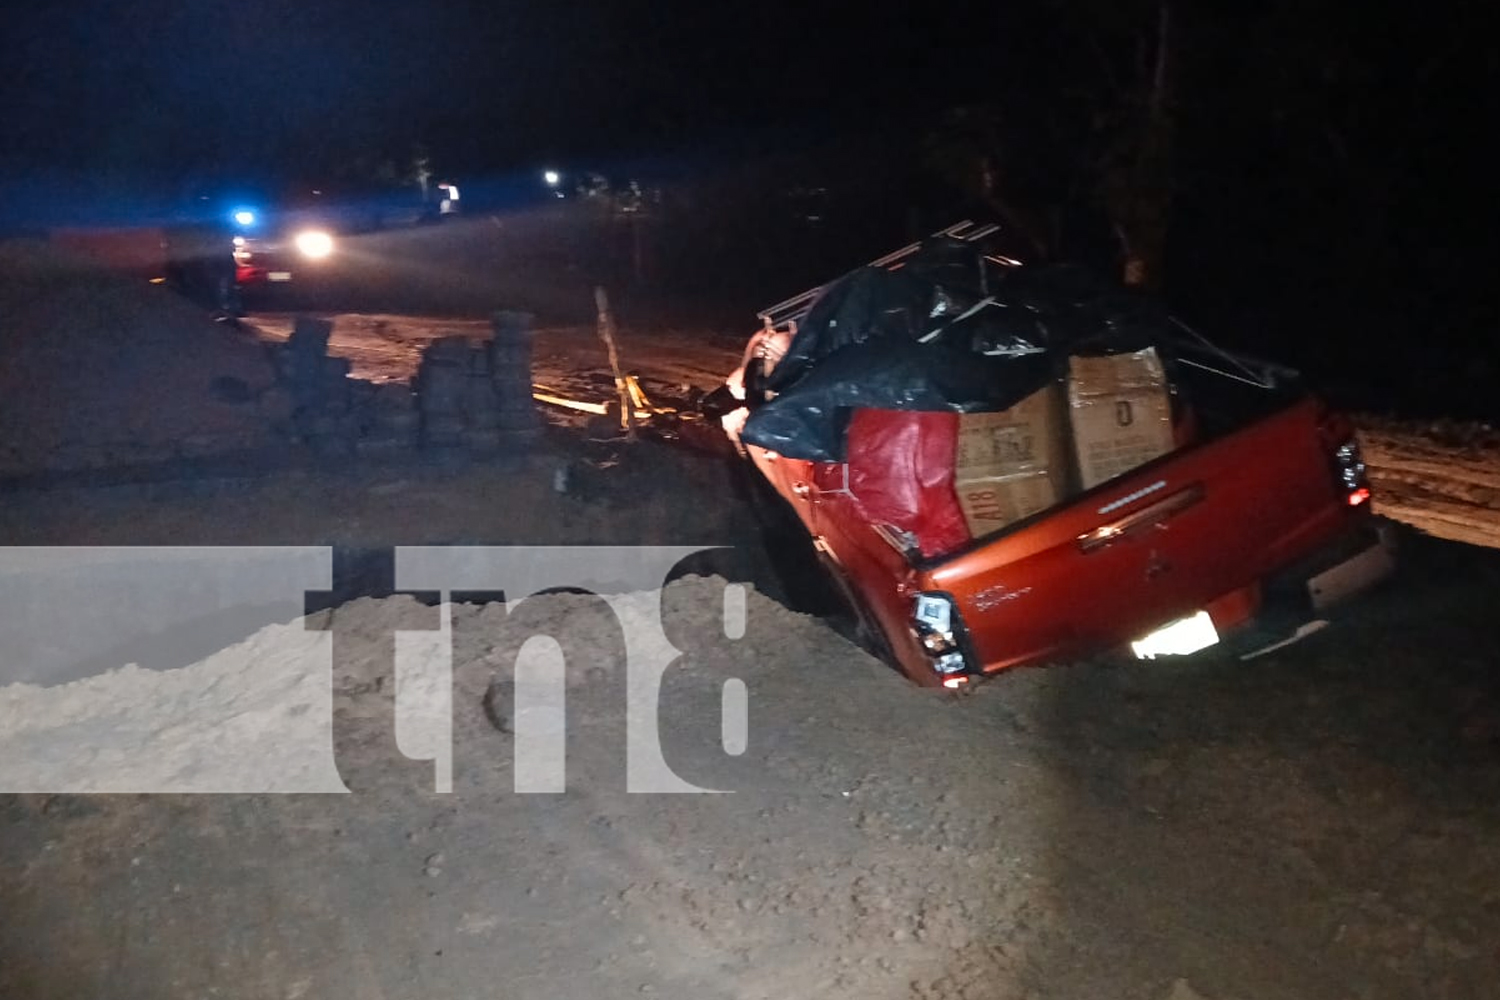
(262, 271)
(1303, 598)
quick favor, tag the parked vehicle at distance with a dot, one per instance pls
(272, 251)
(998, 469)
(218, 245)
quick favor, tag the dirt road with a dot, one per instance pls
(1441, 478)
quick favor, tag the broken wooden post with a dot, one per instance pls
(622, 388)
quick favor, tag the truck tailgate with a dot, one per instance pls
(1153, 545)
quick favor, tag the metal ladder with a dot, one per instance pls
(788, 313)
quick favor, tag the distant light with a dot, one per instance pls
(239, 241)
(314, 244)
(552, 177)
(953, 683)
(1359, 496)
(244, 217)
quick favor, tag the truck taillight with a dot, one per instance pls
(1350, 471)
(936, 626)
(1337, 433)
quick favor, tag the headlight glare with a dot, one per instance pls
(314, 244)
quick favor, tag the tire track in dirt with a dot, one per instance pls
(1442, 480)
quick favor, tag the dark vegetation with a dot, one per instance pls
(1300, 180)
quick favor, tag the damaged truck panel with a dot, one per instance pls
(1206, 528)
(1004, 468)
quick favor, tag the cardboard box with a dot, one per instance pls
(1120, 412)
(1012, 464)
(991, 503)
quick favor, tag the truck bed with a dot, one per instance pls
(1218, 526)
(1195, 530)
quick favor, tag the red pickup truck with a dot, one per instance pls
(1249, 525)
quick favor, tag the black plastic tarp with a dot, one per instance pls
(808, 420)
(947, 330)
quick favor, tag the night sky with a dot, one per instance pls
(156, 84)
(483, 84)
(1331, 174)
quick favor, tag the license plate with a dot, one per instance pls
(279, 276)
(1179, 638)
